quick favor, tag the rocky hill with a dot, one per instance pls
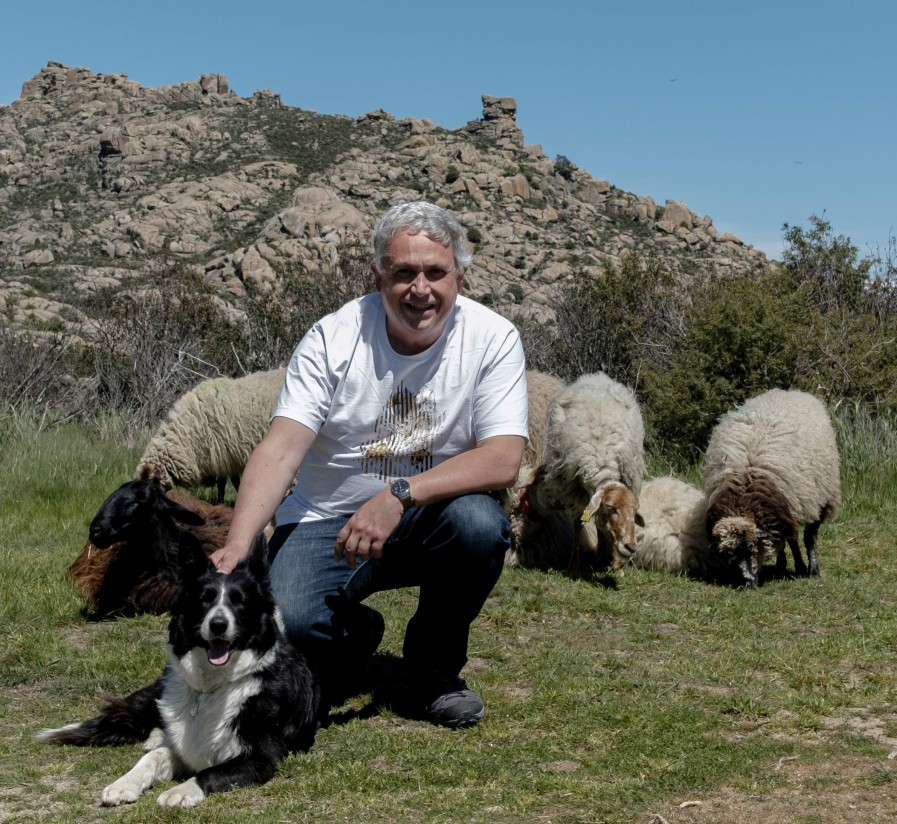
(100, 175)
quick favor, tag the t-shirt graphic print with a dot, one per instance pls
(405, 433)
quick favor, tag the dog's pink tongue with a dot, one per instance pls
(219, 652)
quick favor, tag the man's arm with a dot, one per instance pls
(491, 464)
(269, 471)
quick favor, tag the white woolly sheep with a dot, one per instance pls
(541, 390)
(594, 462)
(673, 538)
(771, 467)
(527, 533)
(210, 431)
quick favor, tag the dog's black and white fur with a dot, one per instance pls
(235, 697)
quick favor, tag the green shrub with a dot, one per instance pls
(742, 339)
(616, 323)
(515, 292)
(564, 167)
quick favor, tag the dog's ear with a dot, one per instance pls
(257, 559)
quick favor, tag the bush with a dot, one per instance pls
(38, 376)
(742, 338)
(564, 167)
(278, 318)
(851, 326)
(154, 340)
(618, 323)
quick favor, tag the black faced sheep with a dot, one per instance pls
(673, 538)
(771, 467)
(593, 467)
(210, 431)
(130, 563)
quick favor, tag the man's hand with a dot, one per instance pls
(226, 558)
(367, 531)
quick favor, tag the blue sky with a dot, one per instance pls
(755, 113)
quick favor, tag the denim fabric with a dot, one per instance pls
(453, 550)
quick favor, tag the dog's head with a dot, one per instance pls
(224, 613)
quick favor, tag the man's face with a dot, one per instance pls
(419, 286)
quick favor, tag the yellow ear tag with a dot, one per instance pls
(585, 517)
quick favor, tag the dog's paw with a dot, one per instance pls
(154, 740)
(120, 792)
(188, 794)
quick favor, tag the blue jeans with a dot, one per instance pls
(453, 550)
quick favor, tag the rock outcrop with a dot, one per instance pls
(99, 175)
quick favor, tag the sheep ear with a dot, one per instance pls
(181, 513)
(639, 520)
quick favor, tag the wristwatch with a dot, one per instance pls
(402, 490)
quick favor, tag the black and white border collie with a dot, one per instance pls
(234, 699)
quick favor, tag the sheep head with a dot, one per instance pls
(740, 545)
(128, 511)
(614, 507)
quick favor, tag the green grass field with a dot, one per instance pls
(660, 699)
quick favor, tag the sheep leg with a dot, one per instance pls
(221, 487)
(800, 568)
(781, 562)
(810, 531)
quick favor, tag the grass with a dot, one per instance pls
(604, 703)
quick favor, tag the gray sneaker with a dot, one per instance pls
(461, 708)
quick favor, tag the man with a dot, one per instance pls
(406, 411)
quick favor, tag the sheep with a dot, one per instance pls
(541, 390)
(593, 467)
(527, 533)
(210, 431)
(771, 466)
(673, 538)
(130, 562)
(541, 540)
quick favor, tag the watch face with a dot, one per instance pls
(400, 487)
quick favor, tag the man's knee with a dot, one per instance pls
(478, 523)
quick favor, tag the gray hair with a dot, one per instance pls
(420, 216)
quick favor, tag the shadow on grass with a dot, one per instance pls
(386, 681)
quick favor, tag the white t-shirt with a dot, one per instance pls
(379, 415)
